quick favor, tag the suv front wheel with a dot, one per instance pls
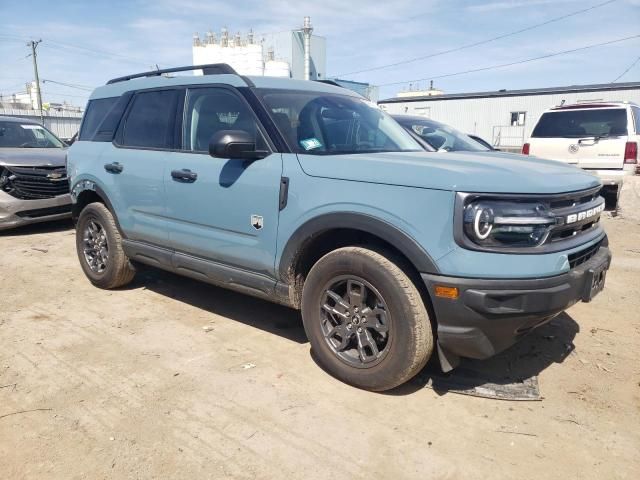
(365, 319)
(99, 248)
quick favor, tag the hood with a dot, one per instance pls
(487, 172)
(33, 157)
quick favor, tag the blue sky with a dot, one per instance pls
(86, 43)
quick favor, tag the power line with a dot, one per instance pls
(62, 94)
(519, 62)
(65, 45)
(86, 50)
(482, 42)
(13, 37)
(11, 87)
(625, 72)
(70, 85)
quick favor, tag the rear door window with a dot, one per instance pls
(151, 119)
(601, 122)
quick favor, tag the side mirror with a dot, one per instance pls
(235, 144)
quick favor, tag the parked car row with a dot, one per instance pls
(305, 194)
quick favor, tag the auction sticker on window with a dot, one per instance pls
(31, 127)
(310, 143)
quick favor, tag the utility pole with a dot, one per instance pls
(33, 46)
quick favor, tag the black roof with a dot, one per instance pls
(598, 87)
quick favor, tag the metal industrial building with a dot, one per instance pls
(505, 118)
(280, 54)
(293, 54)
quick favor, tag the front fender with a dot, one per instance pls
(382, 229)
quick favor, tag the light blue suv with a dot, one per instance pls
(306, 194)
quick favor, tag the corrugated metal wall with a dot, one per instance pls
(490, 118)
(63, 124)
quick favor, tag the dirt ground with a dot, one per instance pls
(171, 378)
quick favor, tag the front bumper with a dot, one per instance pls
(614, 177)
(491, 315)
(15, 212)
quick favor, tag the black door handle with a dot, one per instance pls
(114, 167)
(185, 175)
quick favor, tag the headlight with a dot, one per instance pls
(497, 223)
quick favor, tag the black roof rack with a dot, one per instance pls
(330, 82)
(209, 69)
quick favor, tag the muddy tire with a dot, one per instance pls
(365, 319)
(99, 248)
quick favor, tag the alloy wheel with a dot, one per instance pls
(95, 246)
(355, 321)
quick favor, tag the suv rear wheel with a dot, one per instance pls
(365, 319)
(99, 248)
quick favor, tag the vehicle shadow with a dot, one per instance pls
(548, 344)
(35, 228)
(254, 312)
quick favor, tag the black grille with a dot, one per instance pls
(575, 203)
(579, 257)
(574, 200)
(30, 183)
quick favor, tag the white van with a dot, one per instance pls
(599, 137)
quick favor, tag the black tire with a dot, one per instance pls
(116, 270)
(611, 199)
(401, 354)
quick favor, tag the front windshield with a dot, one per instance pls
(27, 135)
(320, 123)
(442, 137)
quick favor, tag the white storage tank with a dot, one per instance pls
(254, 62)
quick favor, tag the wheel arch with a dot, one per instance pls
(327, 232)
(88, 192)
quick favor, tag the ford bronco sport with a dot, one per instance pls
(306, 194)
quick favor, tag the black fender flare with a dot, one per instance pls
(89, 185)
(406, 244)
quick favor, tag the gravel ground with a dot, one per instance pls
(170, 378)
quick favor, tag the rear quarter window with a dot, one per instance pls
(582, 123)
(95, 113)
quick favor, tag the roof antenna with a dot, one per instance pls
(562, 102)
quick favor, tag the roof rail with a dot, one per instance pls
(209, 69)
(330, 82)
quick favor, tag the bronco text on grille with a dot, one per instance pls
(30, 183)
(577, 214)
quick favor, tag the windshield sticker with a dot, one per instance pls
(31, 127)
(310, 143)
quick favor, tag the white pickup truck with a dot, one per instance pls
(599, 137)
